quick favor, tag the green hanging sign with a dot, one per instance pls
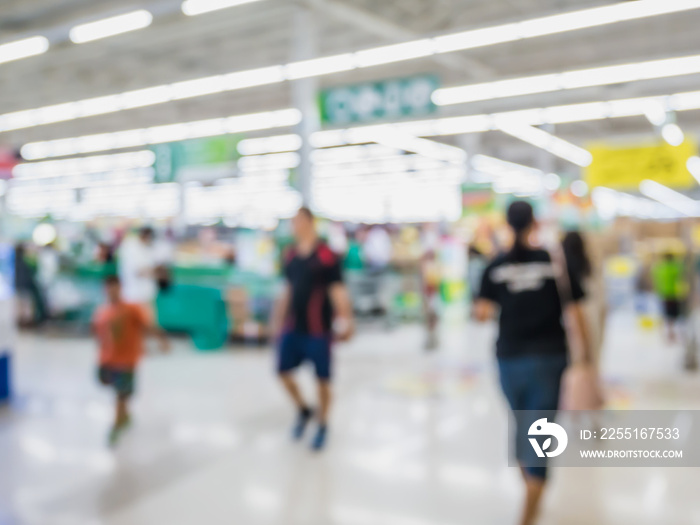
(374, 101)
(172, 157)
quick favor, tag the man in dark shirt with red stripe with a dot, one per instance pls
(313, 307)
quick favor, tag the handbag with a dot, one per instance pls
(580, 384)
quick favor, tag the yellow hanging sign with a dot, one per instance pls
(623, 168)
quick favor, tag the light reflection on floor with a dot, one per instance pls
(416, 439)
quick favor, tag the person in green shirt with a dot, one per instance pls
(669, 284)
(354, 260)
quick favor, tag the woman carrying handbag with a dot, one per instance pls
(532, 348)
(580, 388)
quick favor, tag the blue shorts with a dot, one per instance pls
(531, 383)
(121, 380)
(295, 348)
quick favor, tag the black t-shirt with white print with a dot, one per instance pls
(530, 320)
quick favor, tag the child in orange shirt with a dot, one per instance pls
(120, 329)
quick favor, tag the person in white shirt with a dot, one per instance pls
(137, 264)
(378, 248)
(48, 264)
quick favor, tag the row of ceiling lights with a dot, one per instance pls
(506, 177)
(653, 108)
(106, 27)
(371, 57)
(361, 134)
(386, 54)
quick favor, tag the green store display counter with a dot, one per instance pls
(200, 311)
(195, 303)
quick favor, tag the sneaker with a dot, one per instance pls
(117, 431)
(115, 434)
(303, 419)
(319, 441)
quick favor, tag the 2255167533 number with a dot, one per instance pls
(639, 433)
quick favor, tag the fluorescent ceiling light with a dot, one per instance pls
(96, 106)
(673, 134)
(685, 101)
(143, 97)
(276, 161)
(363, 134)
(275, 144)
(320, 66)
(114, 25)
(548, 142)
(583, 112)
(498, 167)
(420, 128)
(395, 138)
(58, 113)
(670, 198)
(559, 23)
(599, 76)
(655, 113)
(459, 125)
(508, 177)
(254, 77)
(198, 87)
(395, 53)
(83, 165)
(647, 8)
(27, 47)
(341, 168)
(497, 89)
(599, 16)
(353, 154)
(197, 7)
(413, 49)
(268, 119)
(476, 38)
(159, 134)
(610, 203)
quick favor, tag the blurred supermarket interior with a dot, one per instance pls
(185, 136)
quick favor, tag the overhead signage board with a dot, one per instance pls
(623, 168)
(375, 101)
(173, 157)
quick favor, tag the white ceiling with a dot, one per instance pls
(177, 47)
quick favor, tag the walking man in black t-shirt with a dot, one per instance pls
(313, 307)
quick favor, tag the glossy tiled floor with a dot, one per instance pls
(416, 440)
